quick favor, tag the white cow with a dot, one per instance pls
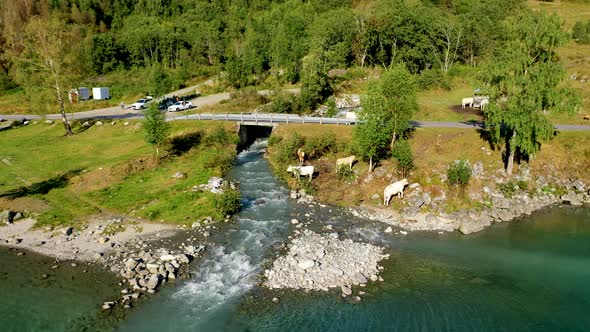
(345, 161)
(396, 188)
(466, 101)
(301, 170)
(483, 103)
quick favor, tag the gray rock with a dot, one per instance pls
(275, 300)
(68, 231)
(294, 221)
(477, 170)
(346, 290)
(196, 224)
(360, 278)
(49, 122)
(375, 197)
(388, 229)
(153, 281)
(305, 264)
(179, 175)
(572, 199)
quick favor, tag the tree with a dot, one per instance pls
(525, 78)
(459, 174)
(155, 128)
(44, 54)
(447, 43)
(387, 109)
(159, 81)
(403, 153)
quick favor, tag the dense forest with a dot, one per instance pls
(250, 40)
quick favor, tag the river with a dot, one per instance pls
(532, 274)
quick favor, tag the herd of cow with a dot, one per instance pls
(396, 188)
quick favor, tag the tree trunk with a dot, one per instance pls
(370, 164)
(157, 155)
(61, 102)
(511, 153)
(392, 140)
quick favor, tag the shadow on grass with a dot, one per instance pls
(42, 187)
(180, 145)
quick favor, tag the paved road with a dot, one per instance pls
(250, 118)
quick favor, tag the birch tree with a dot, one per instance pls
(525, 77)
(44, 54)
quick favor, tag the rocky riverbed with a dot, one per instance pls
(320, 262)
(134, 250)
(495, 208)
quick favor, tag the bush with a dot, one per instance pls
(286, 151)
(283, 102)
(581, 32)
(220, 136)
(402, 151)
(459, 173)
(220, 159)
(332, 110)
(229, 202)
(274, 140)
(345, 174)
(433, 79)
(508, 189)
(306, 184)
(316, 147)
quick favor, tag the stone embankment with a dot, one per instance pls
(321, 262)
(127, 248)
(495, 208)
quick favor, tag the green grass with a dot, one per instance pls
(105, 169)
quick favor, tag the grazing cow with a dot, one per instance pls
(466, 101)
(301, 170)
(300, 156)
(396, 188)
(483, 104)
(345, 161)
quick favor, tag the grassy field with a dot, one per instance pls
(434, 149)
(108, 169)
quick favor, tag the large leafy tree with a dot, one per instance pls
(525, 78)
(388, 107)
(44, 56)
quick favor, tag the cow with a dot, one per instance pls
(396, 188)
(483, 104)
(300, 156)
(345, 161)
(587, 117)
(301, 170)
(466, 101)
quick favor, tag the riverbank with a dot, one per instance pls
(556, 175)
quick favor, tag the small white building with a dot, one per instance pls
(100, 93)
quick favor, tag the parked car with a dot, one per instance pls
(166, 102)
(180, 106)
(142, 103)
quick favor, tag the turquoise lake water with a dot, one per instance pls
(532, 274)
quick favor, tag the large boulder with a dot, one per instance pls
(305, 264)
(571, 198)
(153, 281)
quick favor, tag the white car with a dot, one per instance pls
(141, 104)
(180, 106)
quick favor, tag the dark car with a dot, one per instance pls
(165, 103)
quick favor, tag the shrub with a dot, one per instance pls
(286, 151)
(459, 173)
(220, 159)
(508, 189)
(229, 202)
(220, 136)
(332, 110)
(316, 147)
(306, 184)
(581, 32)
(402, 151)
(345, 174)
(432, 79)
(274, 140)
(283, 102)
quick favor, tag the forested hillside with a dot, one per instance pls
(249, 40)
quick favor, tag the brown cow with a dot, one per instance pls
(300, 156)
